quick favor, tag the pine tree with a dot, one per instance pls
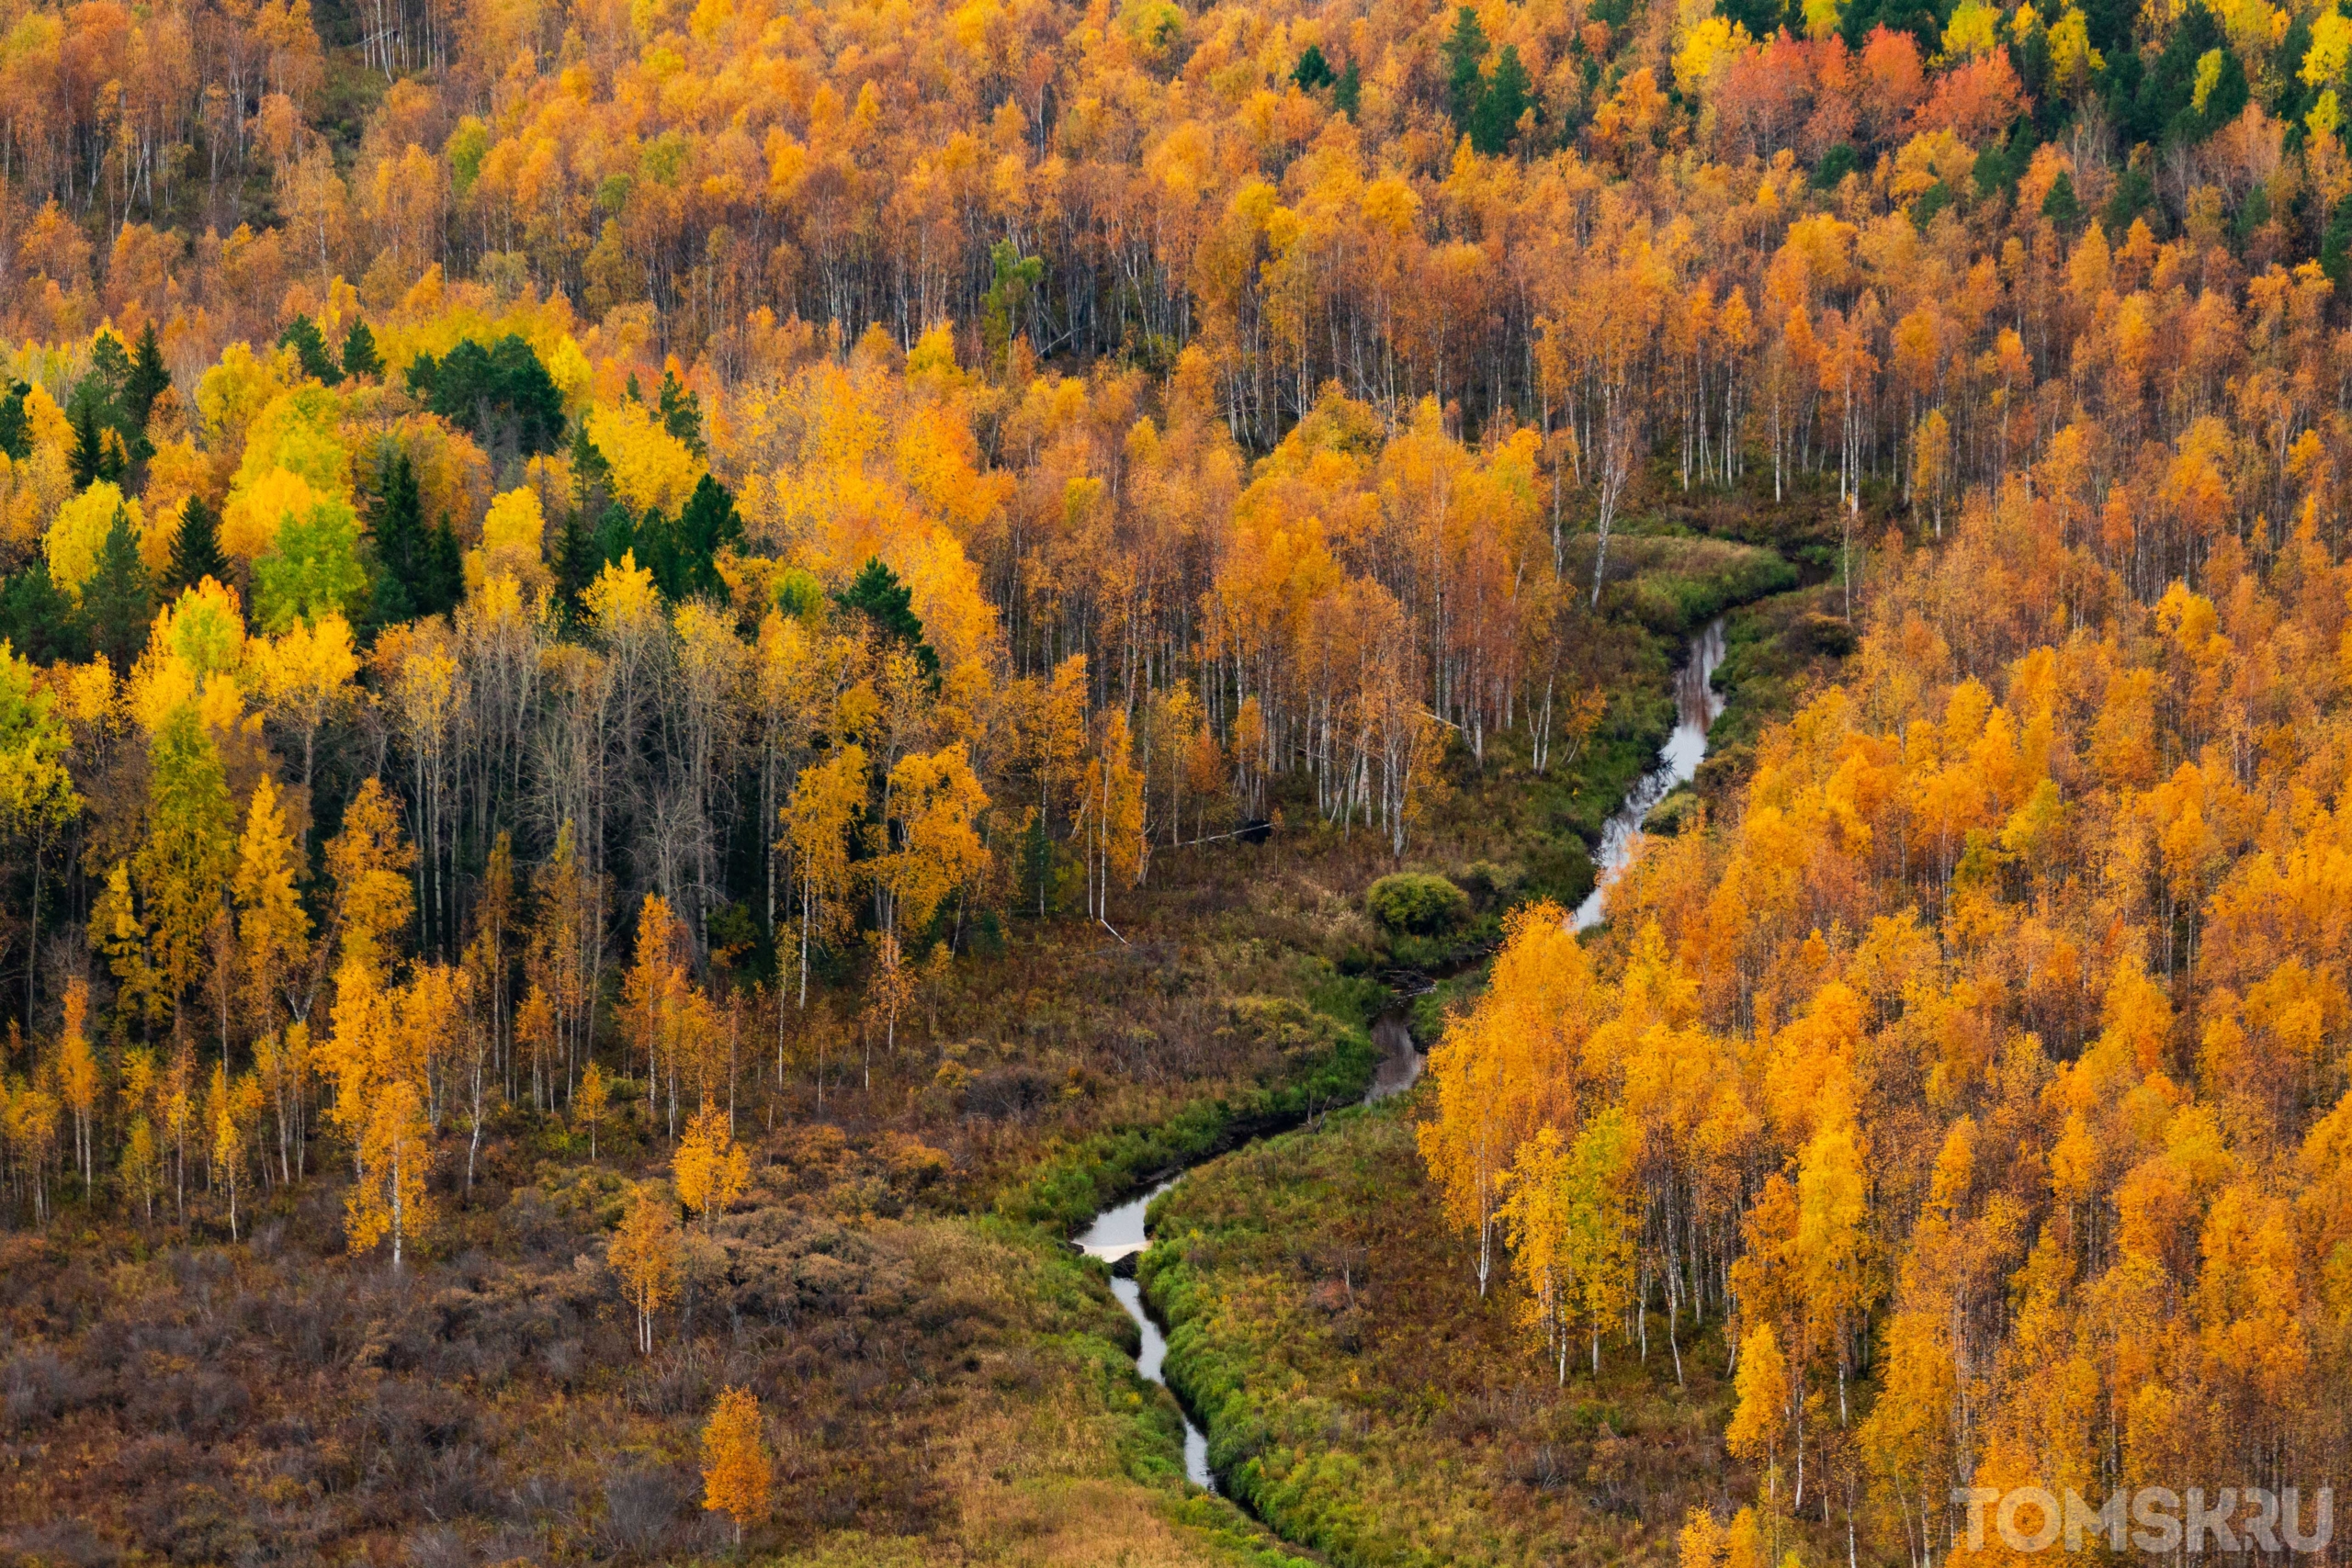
(2062, 207)
(359, 355)
(502, 394)
(1465, 52)
(38, 621)
(577, 558)
(1348, 92)
(91, 459)
(658, 551)
(148, 380)
(16, 430)
(1313, 70)
(441, 582)
(706, 524)
(877, 594)
(617, 534)
(309, 347)
(115, 604)
(1500, 105)
(196, 553)
(592, 476)
(399, 542)
(681, 415)
(110, 369)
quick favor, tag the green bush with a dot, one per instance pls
(1416, 903)
(1672, 815)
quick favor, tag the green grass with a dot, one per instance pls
(1777, 652)
(1362, 1400)
(1333, 1060)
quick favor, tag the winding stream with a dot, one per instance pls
(1697, 705)
(1118, 1232)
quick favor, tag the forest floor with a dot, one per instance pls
(946, 1381)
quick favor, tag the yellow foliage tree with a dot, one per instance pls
(646, 1254)
(933, 807)
(512, 543)
(711, 1170)
(589, 1105)
(1112, 817)
(78, 536)
(304, 678)
(820, 821)
(1762, 1415)
(77, 1078)
(1507, 1068)
(652, 469)
(273, 929)
(390, 1197)
(736, 1467)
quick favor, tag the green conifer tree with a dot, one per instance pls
(309, 347)
(359, 355)
(116, 600)
(149, 379)
(195, 552)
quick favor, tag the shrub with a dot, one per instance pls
(1417, 902)
(1672, 815)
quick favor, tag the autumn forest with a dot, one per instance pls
(680, 681)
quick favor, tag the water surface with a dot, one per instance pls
(1697, 705)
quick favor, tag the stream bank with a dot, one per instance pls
(1116, 1236)
(1117, 1232)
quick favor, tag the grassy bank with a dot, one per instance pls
(1363, 1399)
(1331, 1063)
(1777, 652)
(1530, 834)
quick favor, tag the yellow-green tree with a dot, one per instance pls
(588, 1106)
(1534, 1216)
(37, 792)
(1600, 1220)
(182, 868)
(78, 1080)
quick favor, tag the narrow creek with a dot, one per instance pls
(1117, 1231)
(1697, 705)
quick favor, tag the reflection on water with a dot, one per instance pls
(1114, 1234)
(1697, 705)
